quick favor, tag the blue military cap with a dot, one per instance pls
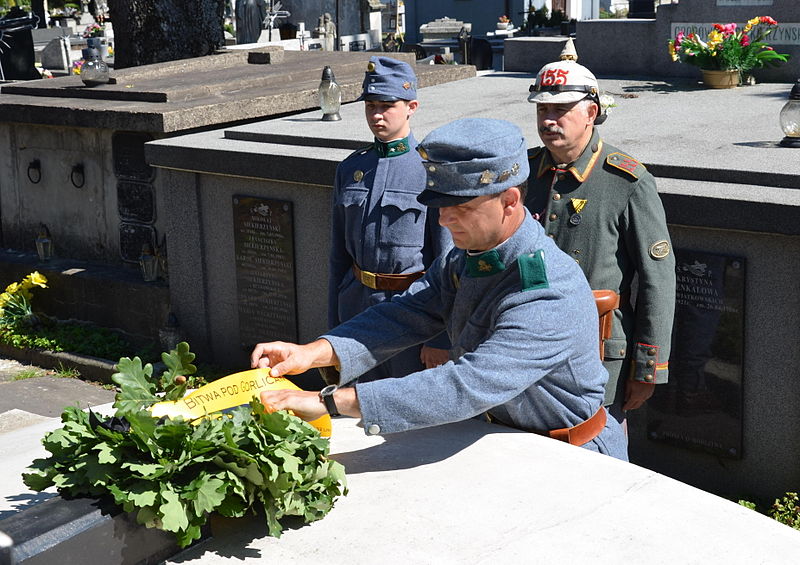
(388, 79)
(470, 158)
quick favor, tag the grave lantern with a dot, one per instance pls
(790, 118)
(149, 263)
(94, 70)
(44, 244)
(330, 96)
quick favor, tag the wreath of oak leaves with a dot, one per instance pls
(172, 473)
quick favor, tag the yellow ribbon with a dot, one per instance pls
(228, 392)
(578, 204)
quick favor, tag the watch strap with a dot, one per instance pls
(326, 395)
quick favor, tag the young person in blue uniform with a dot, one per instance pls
(382, 239)
(601, 206)
(518, 311)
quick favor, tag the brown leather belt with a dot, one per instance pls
(583, 432)
(607, 301)
(378, 281)
(576, 435)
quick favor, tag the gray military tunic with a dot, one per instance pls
(523, 325)
(378, 224)
(604, 211)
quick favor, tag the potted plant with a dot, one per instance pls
(728, 54)
(504, 23)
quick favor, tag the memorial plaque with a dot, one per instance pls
(128, 154)
(131, 238)
(265, 277)
(135, 201)
(701, 406)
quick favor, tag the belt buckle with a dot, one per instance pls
(369, 280)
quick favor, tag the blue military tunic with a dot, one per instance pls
(378, 224)
(523, 326)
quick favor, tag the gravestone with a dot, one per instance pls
(265, 270)
(443, 28)
(701, 406)
(56, 54)
(16, 50)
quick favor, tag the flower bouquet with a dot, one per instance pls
(94, 30)
(729, 49)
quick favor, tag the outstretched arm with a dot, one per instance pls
(291, 358)
(308, 405)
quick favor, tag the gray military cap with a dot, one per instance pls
(470, 158)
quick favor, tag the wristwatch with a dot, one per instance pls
(326, 396)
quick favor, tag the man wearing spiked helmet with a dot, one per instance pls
(601, 207)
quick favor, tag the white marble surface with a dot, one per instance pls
(477, 493)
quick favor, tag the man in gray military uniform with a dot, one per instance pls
(382, 239)
(504, 287)
(601, 207)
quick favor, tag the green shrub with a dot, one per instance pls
(786, 510)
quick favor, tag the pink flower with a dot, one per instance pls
(745, 41)
(679, 39)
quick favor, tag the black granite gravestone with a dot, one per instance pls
(265, 270)
(16, 46)
(701, 406)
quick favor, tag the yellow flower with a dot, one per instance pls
(13, 288)
(714, 39)
(38, 279)
(672, 52)
(4, 298)
(750, 24)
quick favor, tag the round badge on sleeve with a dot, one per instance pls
(660, 249)
(575, 219)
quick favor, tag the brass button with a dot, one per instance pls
(577, 260)
(551, 236)
(651, 351)
(373, 429)
(650, 363)
(553, 217)
(431, 183)
(431, 168)
(648, 378)
(556, 196)
(621, 352)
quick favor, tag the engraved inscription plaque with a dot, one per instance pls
(128, 152)
(132, 237)
(265, 270)
(701, 406)
(135, 201)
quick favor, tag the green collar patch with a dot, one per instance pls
(485, 264)
(392, 148)
(532, 271)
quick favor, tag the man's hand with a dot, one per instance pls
(308, 405)
(432, 357)
(636, 394)
(292, 359)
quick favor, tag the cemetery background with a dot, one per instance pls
(727, 204)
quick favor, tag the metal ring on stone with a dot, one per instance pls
(77, 171)
(35, 171)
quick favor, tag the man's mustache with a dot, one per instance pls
(551, 129)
